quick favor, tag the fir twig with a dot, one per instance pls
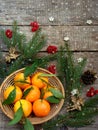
(34, 45)
(92, 102)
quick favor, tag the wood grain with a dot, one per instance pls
(81, 38)
(70, 19)
(65, 12)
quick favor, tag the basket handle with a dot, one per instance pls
(0, 96)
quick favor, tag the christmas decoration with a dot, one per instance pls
(51, 19)
(21, 52)
(51, 49)
(96, 91)
(89, 22)
(8, 33)
(52, 69)
(74, 92)
(91, 92)
(12, 54)
(66, 39)
(34, 25)
(77, 103)
(88, 77)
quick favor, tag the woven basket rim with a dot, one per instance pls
(41, 119)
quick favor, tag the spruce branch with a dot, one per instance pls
(92, 102)
(5, 40)
(69, 69)
(35, 44)
(67, 120)
(17, 64)
(61, 64)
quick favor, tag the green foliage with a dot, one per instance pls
(71, 72)
(28, 125)
(34, 45)
(17, 116)
(69, 69)
(56, 93)
(3, 68)
(10, 98)
(27, 50)
(25, 93)
(31, 69)
(73, 119)
(53, 99)
(92, 102)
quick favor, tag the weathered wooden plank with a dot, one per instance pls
(67, 12)
(80, 37)
(4, 123)
(84, 128)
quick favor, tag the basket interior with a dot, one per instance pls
(55, 108)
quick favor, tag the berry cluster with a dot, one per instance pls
(51, 49)
(52, 69)
(91, 92)
(8, 33)
(34, 25)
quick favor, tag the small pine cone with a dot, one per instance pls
(88, 77)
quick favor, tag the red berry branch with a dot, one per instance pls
(91, 92)
(8, 33)
(34, 25)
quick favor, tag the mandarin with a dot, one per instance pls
(9, 89)
(33, 94)
(47, 94)
(38, 80)
(21, 81)
(41, 108)
(26, 106)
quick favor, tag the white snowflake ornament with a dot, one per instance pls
(89, 22)
(66, 39)
(51, 19)
(74, 92)
(80, 60)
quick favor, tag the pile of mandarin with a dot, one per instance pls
(31, 94)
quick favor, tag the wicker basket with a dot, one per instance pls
(55, 108)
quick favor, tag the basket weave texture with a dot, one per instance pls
(55, 108)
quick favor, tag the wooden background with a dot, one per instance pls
(70, 20)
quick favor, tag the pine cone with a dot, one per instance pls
(88, 77)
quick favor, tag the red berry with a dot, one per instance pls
(52, 69)
(88, 94)
(91, 92)
(34, 24)
(96, 91)
(92, 89)
(8, 33)
(51, 49)
(34, 29)
(31, 24)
